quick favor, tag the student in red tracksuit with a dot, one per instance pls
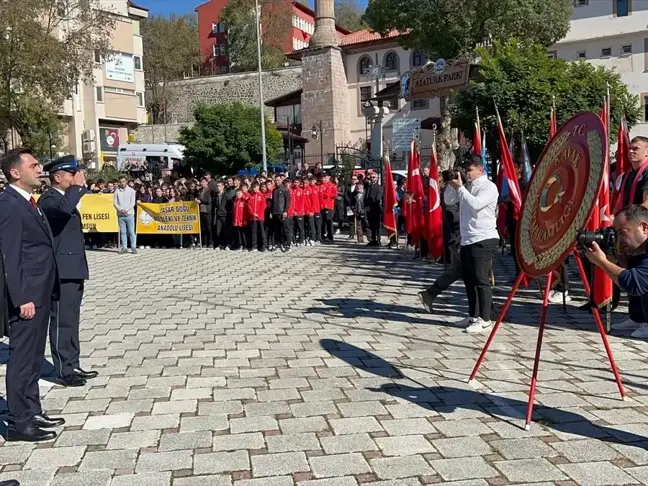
(299, 205)
(239, 221)
(256, 209)
(328, 192)
(314, 214)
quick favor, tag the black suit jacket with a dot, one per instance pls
(27, 246)
(67, 228)
(4, 308)
(373, 198)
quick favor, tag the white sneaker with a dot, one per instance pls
(556, 297)
(479, 325)
(641, 333)
(625, 325)
(465, 322)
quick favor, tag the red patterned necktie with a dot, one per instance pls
(32, 201)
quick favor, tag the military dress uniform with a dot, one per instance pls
(60, 209)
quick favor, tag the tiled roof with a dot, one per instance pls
(362, 36)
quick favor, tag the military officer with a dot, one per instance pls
(60, 204)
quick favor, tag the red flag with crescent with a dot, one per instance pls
(434, 217)
(602, 285)
(390, 201)
(415, 186)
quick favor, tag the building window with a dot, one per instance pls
(140, 99)
(552, 55)
(365, 62)
(137, 61)
(626, 50)
(581, 3)
(622, 8)
(100, 94)
(418, 58)
(420, 104)
(646, 108)
(97, 57)
(581, 55)
(223, 49)
(365, 95)
(218, 27)
(391, 61)
(606, 52)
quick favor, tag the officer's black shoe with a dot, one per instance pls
(72, 380)
(30, 434)
(45, 422)
(11, 482)
(85, 375)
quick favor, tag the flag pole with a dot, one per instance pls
(608, 306)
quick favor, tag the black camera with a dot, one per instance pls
(605, 238)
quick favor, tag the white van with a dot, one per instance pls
(133, 154)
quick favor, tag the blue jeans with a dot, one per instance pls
(127, 230)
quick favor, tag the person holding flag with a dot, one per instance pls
(479, 240)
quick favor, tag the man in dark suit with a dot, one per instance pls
(373, 201)
(59, 205)
(31, 281)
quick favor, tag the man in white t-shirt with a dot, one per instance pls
(479, 240)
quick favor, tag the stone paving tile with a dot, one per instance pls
(596, 473)
(234, 384)
(339, 465)
(279, 464)
(464, 468)
(400, 467)
(521, 470)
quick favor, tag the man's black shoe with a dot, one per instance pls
(11, 482)
(85, 375)
(44, 422)
(426, 300)
(72, 380)
(30, 434)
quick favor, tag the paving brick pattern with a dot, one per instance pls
(319, 368)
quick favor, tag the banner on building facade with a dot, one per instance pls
(98, 213)
(168, 218)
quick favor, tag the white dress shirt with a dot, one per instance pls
(478, 211)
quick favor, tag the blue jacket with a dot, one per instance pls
(634, 280)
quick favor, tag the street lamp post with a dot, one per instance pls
(317, 133)
(263, 131)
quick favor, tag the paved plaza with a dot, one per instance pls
(319, 368)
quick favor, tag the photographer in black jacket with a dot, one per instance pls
(373, 201)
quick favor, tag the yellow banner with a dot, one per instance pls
(168, 218)
(97, 213)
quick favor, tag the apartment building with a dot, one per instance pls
(613, 34)
(213, 34)
(100, 115)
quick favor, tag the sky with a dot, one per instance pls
(165, 7)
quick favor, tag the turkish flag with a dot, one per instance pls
(415, 185)
(602, 285)
(390, 202)
(434, 219)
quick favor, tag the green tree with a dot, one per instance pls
(227, 138)
(522, 80)
(348, 14)
(240, 16)
(46, 48)
(450, 28)
(171, 51)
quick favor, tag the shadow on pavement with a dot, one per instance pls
(450, 399)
